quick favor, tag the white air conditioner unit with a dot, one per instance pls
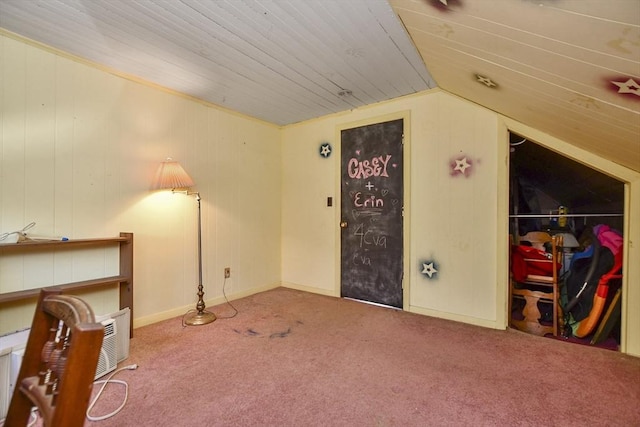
(11, 346)
(123, 324)
(5, 368)
(16, 362)
(108, 360)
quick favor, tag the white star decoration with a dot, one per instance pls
(429, 269)
(462, 165)
(630, 86)
(485, 81)
(325, 150)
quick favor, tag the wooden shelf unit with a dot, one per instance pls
(124, 279)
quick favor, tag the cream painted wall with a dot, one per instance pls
(453, 216)
(459, 221)
(308, 225)
(79, 149)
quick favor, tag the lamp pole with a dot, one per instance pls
(200, 316)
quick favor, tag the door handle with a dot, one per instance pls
(344, 224)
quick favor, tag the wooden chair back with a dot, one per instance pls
(539, 288)
(59, 363)
(537, 239)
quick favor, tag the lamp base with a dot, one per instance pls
(199, 318)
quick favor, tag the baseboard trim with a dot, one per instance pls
(179, 311)
(456, 317)
(310, 289)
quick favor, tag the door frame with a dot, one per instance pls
(630, 317)
(406, 197)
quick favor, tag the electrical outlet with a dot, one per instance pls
(227, 272)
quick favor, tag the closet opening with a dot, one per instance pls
(566, 231)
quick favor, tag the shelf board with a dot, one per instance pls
(85, 284)
(34, 245)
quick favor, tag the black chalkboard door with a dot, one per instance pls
(371, 213)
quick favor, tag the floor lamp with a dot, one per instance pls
(172, 176)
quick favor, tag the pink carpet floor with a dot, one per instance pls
(292, 358)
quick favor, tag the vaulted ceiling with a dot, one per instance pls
(280, 61)
(570, 68)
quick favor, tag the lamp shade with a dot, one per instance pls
(171, 175)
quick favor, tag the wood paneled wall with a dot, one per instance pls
(78, 153)
(457, 208)
(80, 146)
(451, 213)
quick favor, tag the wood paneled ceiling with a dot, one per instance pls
(280, 61)
(570, 68)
